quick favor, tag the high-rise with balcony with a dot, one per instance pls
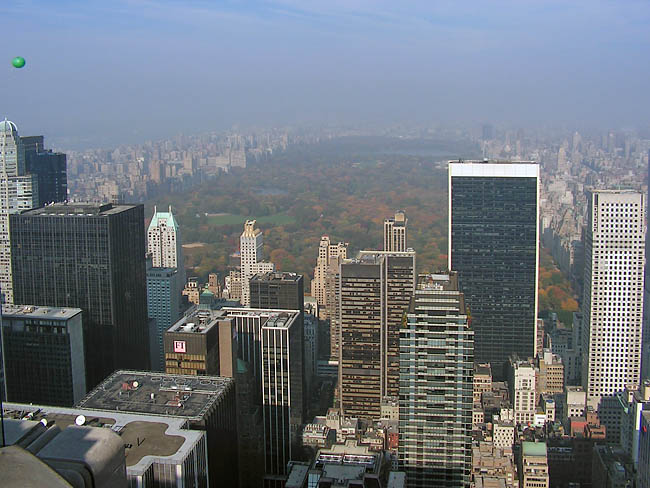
(612, 305)
(18, 191)
(436, 363)
(494, 247)
(395, 233)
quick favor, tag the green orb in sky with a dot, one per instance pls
(18, 62)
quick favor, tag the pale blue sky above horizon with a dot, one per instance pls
(102, 72)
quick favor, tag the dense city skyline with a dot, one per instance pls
(462, 185)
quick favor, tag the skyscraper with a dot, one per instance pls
(268, 340)
(163, 305)
(436, 347)
(646, 299)
(250, 250)
(329, 256)
(18, 191)
(50, 169)
(612, 305)
(164, 241)
(92, 257)
(375, 291)
(395, 233)
(279, 290)
(281, 389)
(283, 291)
(324, 287)
(165, 279)
(494, 247)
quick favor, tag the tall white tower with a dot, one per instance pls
(250, 250)
(164, 240)
(329, 256)
(395, 233)
(613, 293)
(18, 192)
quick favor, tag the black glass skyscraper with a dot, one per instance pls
(284, 291)
(493, 245)
(49, 167)
(91, 257)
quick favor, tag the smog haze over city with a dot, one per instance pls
(104, 73)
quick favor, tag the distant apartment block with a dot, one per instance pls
(395, 233)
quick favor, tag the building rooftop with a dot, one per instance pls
(157, 394)
(78, 209)
(297, 475)
(438, 281)
(161, 272)
(275, 276)
(270, 318)
(350, 454)
(36, 312)
(494, 169)
(145, 437)
(163, 217)
(484, 369)
(198, 321)
(533, 448)
(396, 479)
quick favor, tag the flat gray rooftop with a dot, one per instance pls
(78, 209)
(158, 394)
(35, 312)
(276, 276)
(146, 438)
(198, 321)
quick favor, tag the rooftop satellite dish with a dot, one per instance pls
(135, 384)
(80, 420)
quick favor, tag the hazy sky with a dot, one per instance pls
(112, 70)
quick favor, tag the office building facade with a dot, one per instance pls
(18, 192)
(43, 354)
(91, 257)
(282, 387)
(375, 291)
(267, 341)
(612, 305)
(192, 344)
(436, 365)
(163, 305)
(494, 247)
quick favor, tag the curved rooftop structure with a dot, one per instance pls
(8, 126)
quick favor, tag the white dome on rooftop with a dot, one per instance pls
(8, 126)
